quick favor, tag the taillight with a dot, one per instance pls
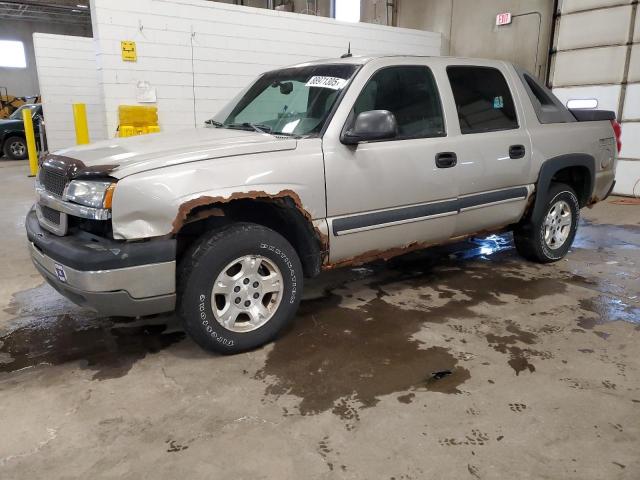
(617, 129)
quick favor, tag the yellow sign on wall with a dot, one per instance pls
(128, 51)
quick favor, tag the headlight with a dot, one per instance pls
(90, 193)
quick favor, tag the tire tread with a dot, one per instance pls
(193, 259)
(525, 237)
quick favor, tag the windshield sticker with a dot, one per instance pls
(334, 83)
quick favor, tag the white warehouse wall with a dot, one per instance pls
(198, 54)
(68, 74)
(598, 56)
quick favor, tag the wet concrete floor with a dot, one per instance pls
(457, 362)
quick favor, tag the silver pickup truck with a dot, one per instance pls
(316, 166)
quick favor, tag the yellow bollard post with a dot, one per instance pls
(80, 121)
(31, 141)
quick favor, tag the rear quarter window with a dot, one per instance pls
(483, 99)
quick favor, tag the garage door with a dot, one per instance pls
(597, 55)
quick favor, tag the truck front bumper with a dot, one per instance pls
(110, 277)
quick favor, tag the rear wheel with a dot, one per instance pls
(239, 286)
(15, 148)
(549, 238)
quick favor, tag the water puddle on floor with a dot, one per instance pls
(606, 236)
(334, 355)
(107, 346)
(345, 352)
(367, 332)
(608, 309)
(345, 359)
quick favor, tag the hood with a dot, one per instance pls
(121, 157)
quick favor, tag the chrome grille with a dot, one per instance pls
(53, 182)
(51, 215)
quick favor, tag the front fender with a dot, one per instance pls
(11, 133)
(140, 213)
(157, 202)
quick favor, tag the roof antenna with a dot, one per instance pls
(348, 54)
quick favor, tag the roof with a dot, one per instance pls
(363, 59)
(352, 60)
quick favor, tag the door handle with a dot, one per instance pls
(516, 151)
(446, 160)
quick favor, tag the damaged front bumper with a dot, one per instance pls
(108, 276)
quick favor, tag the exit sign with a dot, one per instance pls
(503, 18)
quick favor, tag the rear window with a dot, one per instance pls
(483, 99)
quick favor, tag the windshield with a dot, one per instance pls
(292, 101)
(17, 115)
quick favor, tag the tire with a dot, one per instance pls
(210, 262)
(15, 148)
(549, 238)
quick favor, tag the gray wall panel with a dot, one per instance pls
(594, 28)
(590, 66)
(569, 6)
(634, 65)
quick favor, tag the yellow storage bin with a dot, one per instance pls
(137, 120)
(127, 131)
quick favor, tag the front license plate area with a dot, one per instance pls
(60, 273)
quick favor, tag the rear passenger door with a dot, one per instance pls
(493, 149)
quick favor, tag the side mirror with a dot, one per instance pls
(370, 126)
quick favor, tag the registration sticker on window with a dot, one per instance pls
(334, 83)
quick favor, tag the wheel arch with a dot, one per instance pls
(575, 169)
(13, 133)
(281, 212)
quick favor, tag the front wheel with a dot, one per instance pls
(549, 238)
(238, 287)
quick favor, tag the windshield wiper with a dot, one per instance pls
(286, 134)
(255, 126)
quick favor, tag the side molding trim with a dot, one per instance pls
(426, 211)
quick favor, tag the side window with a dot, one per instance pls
(483, 99)
(411, 94)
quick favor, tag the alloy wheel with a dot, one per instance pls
(247, 293)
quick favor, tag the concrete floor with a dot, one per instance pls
(544, 362)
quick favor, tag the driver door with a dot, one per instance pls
(393, 193)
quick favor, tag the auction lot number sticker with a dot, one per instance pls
(334, 83)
